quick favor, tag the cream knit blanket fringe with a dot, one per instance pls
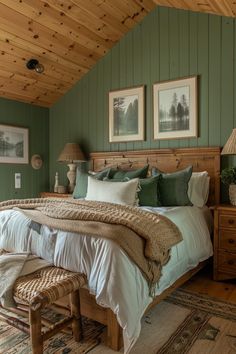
(146, 237)
(13, 266)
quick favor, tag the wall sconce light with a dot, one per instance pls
(33, 64)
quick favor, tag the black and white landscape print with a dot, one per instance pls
(125, 115)
(174, 109)
(13, 144)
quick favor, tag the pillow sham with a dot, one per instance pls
(121, 174)
(149, 193)
(198, 188)
(174, 187)
(119, 192)
(81, 185)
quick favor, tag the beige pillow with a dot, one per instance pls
(119, 192)
(198, 188)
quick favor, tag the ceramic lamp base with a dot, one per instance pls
(71, 175)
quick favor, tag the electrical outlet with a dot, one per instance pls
(17, 180)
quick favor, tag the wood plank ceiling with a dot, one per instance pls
(68, 37)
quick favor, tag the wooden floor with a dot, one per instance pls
(202, 283)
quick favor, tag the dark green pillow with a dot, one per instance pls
(174, 187)
(149, 193)
(120, 174)
(81, 186)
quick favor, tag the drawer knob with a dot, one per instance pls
(231, 262)
(231, 221)
(230, 240)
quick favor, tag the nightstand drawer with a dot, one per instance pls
(226, 262)
(227, 240)
(227, 221)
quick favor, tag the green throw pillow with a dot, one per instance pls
(120, 174)
(174, 187)
(149, 193)
(80, 190)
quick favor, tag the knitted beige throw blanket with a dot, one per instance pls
(146, 237)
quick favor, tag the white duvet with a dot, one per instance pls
(116, 281)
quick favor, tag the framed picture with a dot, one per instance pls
(175, 109)
(126, 115)
(14, 144)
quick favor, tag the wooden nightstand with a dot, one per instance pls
(55, 195)
(224, 242)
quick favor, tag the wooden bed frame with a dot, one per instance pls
(167, 160)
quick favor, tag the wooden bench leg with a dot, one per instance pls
(35, 331)
(75, 312)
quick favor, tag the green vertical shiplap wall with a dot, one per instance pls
(168, 44)
(37, 120)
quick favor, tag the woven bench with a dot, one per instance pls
(37, 291)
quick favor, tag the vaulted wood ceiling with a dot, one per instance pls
(68, 37)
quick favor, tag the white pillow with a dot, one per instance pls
(198, 188)
(113, 192)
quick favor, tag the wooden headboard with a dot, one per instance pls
(167, 160)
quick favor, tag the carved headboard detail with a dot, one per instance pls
(166, 160)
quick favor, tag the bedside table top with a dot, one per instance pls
(55, 195)
(228, 207)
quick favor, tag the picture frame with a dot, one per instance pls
(126, 115)
(14, 144)
(175, 109)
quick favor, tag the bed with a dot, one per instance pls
(110, 298)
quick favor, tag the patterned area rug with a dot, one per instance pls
(188, 323)
(184, 323)
(13, 341)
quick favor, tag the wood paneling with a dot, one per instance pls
(70, 36)
(166, 160)
(167, 44)
(33, 181)
(217, 7)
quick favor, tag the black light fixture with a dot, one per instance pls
(33, 64)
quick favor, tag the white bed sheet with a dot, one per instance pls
(116, 281)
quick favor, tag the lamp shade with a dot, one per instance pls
(70, 153)
(230, 146)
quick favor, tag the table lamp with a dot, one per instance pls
(230, 146)
(228, 175)
(70, 153)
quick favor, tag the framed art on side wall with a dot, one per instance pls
(175, 109)
(126, 115)
(14, 144)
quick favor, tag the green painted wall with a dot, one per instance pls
(168, 44)
(37, 120)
